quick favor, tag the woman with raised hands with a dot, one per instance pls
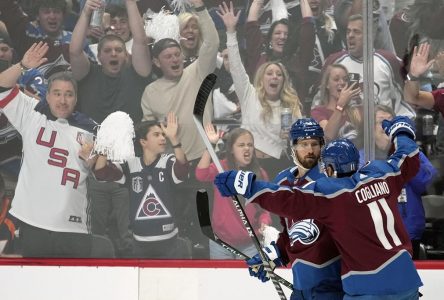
(262, 102)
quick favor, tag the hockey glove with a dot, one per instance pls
(399, 125)
(255, 266)
(231, 183)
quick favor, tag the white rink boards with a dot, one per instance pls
(156, 280)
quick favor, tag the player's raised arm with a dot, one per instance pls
(34, 57)
(401, 131)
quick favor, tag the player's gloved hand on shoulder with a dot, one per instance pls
(256, 267)
(233, 182)
(399, 125)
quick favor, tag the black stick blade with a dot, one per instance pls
(203, 213)
(204, 92)
(203, 208)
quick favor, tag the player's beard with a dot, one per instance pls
(308, 162)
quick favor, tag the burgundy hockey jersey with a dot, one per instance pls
(307, 243)
(361, 214)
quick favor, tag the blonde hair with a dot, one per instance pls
(353, 113)
(184, 18)
(330, 23)
(288, 95)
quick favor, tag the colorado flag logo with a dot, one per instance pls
(151, 206)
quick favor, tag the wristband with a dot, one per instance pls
(177, 146)
(412, 78)
(340, 108)
(23, 68)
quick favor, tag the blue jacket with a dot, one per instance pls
(410, 207)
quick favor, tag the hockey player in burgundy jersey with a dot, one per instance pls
(359, 208)
(306, 243)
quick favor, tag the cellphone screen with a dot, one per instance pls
(353, 77)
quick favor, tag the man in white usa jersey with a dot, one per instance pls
(50, 198)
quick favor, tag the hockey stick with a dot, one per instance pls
(203, 213)
(198, 111)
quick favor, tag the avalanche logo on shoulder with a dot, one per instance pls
(305, 231)
(151, 206)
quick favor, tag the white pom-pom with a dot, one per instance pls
(180, 6)
(161, 25)
(278, 10)
(115, 137)
(270, 234)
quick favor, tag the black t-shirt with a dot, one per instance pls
(99, 94)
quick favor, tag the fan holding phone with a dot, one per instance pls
(354, 80)
(338, 114)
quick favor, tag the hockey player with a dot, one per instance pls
(305, 243)
(151, 180)
(359, 208)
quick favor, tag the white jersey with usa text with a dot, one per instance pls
(51, 188)
(153, 198)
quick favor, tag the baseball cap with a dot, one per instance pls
(163, 44)
(4, 38)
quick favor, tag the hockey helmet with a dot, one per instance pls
(342, 155)
(306, 128)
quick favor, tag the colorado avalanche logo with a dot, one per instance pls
(151, 206)
(305, 231)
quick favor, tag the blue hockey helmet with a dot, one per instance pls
(306, 128)
(342, 155)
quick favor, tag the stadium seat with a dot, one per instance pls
(432, 243)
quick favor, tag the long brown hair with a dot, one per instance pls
(233, 135)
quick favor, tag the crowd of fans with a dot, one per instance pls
(303, 58)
